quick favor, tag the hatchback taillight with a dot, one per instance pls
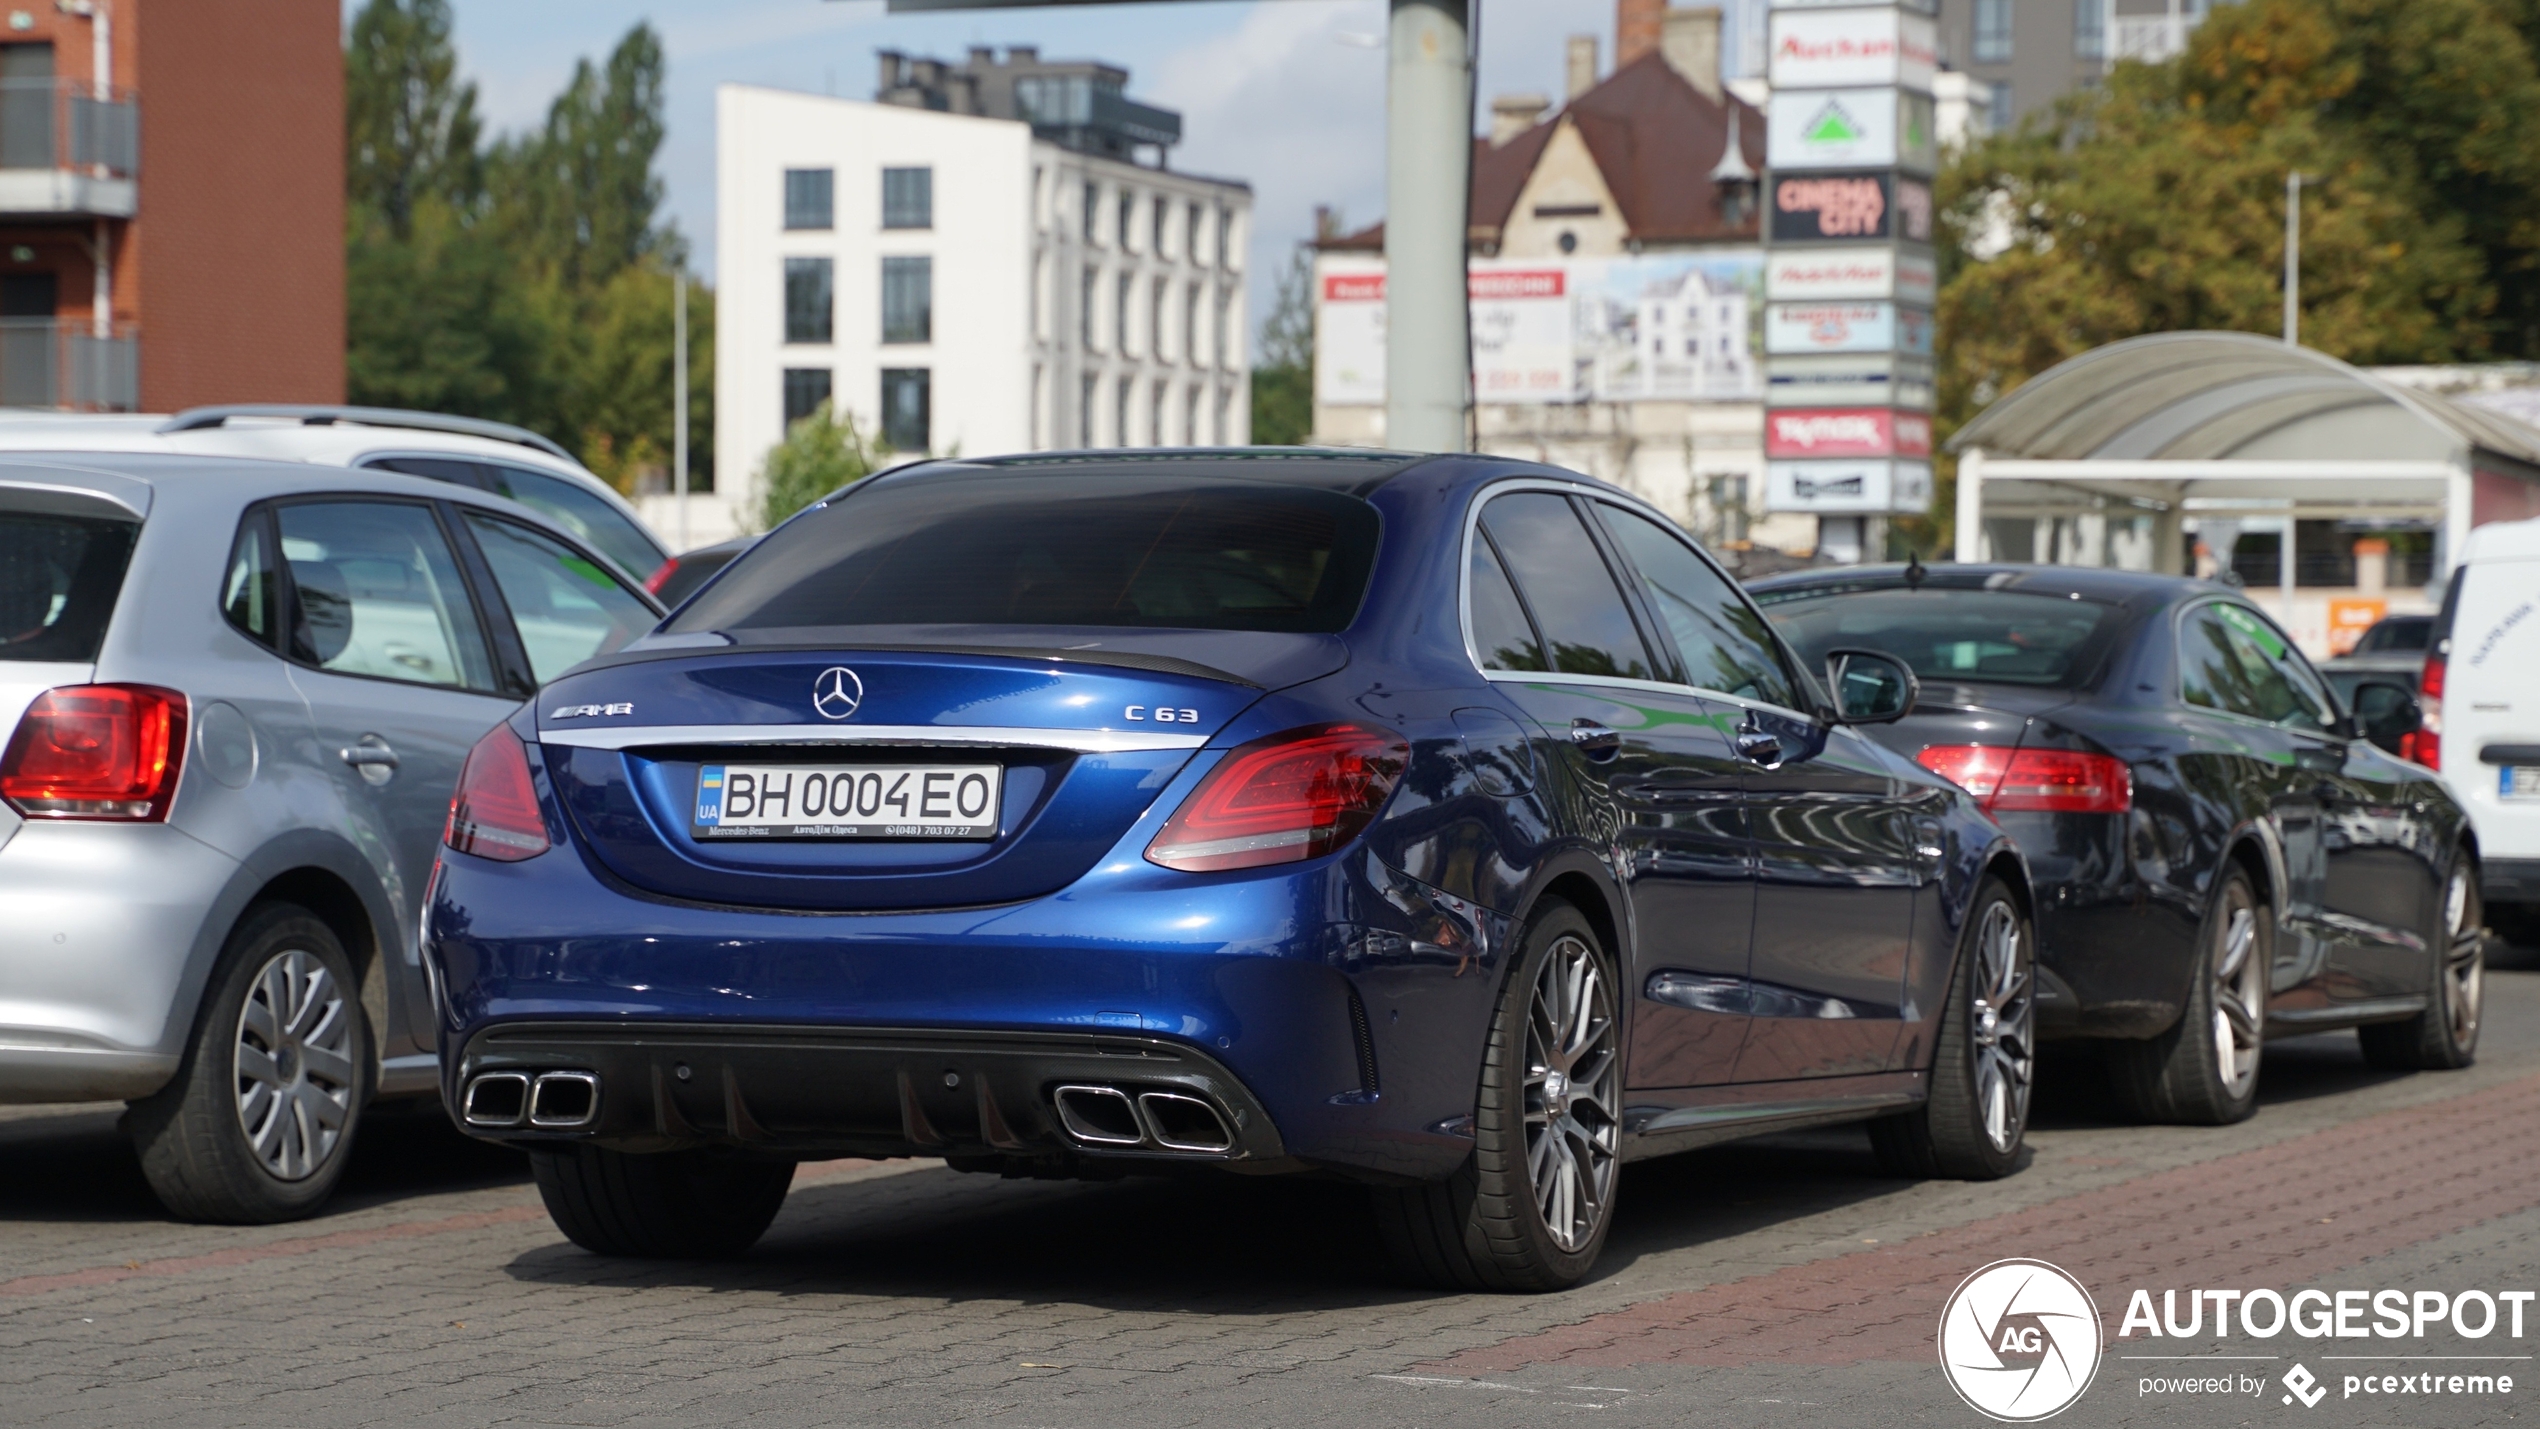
(2424, 744)
(2034, 781)
(495, 813)
(661, 575)
(1283, 799)
(96, 752)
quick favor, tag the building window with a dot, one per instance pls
(1162, 207)
(1040, 393)
(1225, 238)
(1085, 308)
(810, 290)
(2090, 29)
(1120, 328)
(907, 399)
(1998, 112)
(908, 299)
(1162, 401)
(809, 195)
(1121, 392)
(1159, 320)
(1128, 218)
(1190, 235)
(1093, 209)
(805, 389)
(1085, 412)
(1225, 401)
(1190, 334)
(908, 198)
(1190, 418)
(1992, 43)
(1217, 334)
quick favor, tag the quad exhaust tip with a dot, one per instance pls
(1169, 1121)
(548, 1101)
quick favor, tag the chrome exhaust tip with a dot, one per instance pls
(496, 1099)
(561, 1101)
(1184, 1123)
(1099, 1116)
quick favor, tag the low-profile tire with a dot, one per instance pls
(666, 1205)
(2444, 1037)
(259, 1121)
(2204, 1070)
(1529, 1211)
(1984, 1060)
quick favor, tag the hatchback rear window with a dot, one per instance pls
(1151, 550)
(59, 575)
(1984, 636)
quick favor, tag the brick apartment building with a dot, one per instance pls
(171, 203)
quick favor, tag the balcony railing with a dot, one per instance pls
(65, 366)
(62, 124)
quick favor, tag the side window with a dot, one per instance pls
(603, 527)
(1566, 585)
(566, 607)
(2230, 660)
(378, 593)
(1502, 635)
(1726, 645)
(249, 595)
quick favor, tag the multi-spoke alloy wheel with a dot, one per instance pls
(2001, 1027)
(2445, 1034)
(2204, 1069)
(2239, 1002)
(295, 1065)
(1573, 1094)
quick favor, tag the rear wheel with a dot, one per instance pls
(667, 1205)
(1531, 1209)
(1971, 1124)
(2204, 1070)
(259, 1121)
(2445, 1035)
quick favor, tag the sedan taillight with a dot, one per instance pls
(96, 752)
(1283, 799)
(495, 813)
(2034, 781)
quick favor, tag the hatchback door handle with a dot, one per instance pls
(1759, 746)
(1595, 740)
(373, 757)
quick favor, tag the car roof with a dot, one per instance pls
(274, 438)
(1353, 471)
(2086, 582)
(132, 479)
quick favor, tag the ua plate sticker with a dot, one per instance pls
(848, 801)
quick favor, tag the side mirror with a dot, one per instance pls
(1870, 686)
(2385, 711)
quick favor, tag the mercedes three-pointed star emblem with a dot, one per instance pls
(837, 692)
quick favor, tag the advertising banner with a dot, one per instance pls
(1657, 327)
(1831, 49)
(1846, 432)
(1846, 327)
(1819, 274)
(1919, 7)
(1847, 208)
(1851, 129)
(1848, 488)
(1880, 380)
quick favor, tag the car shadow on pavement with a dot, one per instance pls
(71, 1165)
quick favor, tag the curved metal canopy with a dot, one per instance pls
(2220, 396)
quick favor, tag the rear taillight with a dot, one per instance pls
(661, 575)
(2424, 744)
(2034, 781)
(1283, 799)
(495, 814)
(96, 752)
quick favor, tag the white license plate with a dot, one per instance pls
(2518, 781)
(847, 801)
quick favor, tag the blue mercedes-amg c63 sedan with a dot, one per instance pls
(1449, 824)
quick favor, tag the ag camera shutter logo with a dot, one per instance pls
(2019, 1341)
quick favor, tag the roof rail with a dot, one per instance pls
(194, 419)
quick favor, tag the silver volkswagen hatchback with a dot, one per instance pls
(237, 695)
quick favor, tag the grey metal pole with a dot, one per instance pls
(2292, 260)
(679, 396)
(1428, 171)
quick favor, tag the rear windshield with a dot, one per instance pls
(1985, 636)
(59, 575)
(1056, 548)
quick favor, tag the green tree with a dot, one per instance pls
(410, 126)
(579, 195)
(1283, 377)
(822, 453)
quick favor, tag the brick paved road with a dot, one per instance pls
(1779, 1282)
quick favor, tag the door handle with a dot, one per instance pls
(1760, 747)
(373, 757)
(1595, 740)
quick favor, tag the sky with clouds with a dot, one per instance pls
(1286, 94)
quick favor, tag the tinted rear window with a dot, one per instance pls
(1984, 636)
(59, 576)
(1056, 548)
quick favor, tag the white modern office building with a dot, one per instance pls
(975, 263)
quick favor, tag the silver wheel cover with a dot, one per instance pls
(1573, 1094)
(295, 1066)
(2464, 962)
(2002, 1022)
(2240, 999)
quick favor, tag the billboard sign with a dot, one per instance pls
(1851, 129)
(1881, 380)
(1846, 432)
(1846, 328)
(1832, 49)
(1821, 274)
(1847, 208)
(1861, 487)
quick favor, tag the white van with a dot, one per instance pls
(2482, 711)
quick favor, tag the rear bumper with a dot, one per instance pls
(2115, 948)
(2509, 880)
